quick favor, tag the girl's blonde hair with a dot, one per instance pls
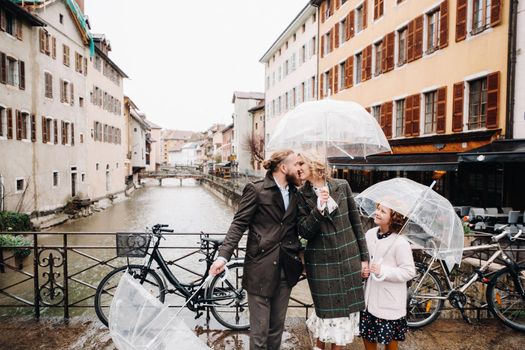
(276, 159)
(397, 220)
(317, 167)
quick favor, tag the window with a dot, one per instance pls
(341, 75)
(78, 62)
(400, 118)
(313, 46)
(378, 50)
(55, 178)
(20, 184)
(433, 31)
(48, 91)
(64, 88)
(480, 15)
(65, 56)
(326, 48)
(279, 75)
(9, 23)
(23, 126)
(293, 63)
(61, 18)
(378, 8)
(402, 46)
(96, 166)
(303, 28)
(45, 40)
(358, 67)
(98, 63)
(83, 177)
(342, 31)
(326, 83)
(12, 71)
(327, 12)
(302, 57)
(430, 112)
(359, 14)
(477, 115)
(376, 113)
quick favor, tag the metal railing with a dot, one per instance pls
(64, 270)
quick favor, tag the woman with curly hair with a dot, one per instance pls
(391, 266)
(335, 254)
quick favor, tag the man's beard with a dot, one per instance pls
(293, 179)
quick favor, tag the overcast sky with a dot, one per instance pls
(185, 58)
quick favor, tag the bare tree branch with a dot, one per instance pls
(255, 145)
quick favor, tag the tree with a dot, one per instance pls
(255, 145)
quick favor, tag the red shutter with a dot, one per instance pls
(322, 11)
(72, 134)
(365, 14)
(457, 107)
(336, 35)
(416, 102)
(18, 117)
(495, 12)
(3, 69)
(388, 122)
(382, 117)
(492, 100)
(336, 79)
(411, 40)
(369, 62)
(55, 124)
(332, 6)
(331, 80)
(349, 74)
(384, 46)
(441, 115)
(443, 24)
(408, 116)
(44, 130)
(332, 36)
(33, 128)
(21, 75)
(321, 49)
(351, 24)
(348, 26)
(418, 42)
(321, 86)
(461, 20)
(337, 4)
(391, 42)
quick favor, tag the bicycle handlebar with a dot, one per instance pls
(516, 236)
(506, 233)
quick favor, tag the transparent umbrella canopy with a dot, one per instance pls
(329, 128)
(137, 320)
(432, 222)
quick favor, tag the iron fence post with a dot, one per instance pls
(35, 279)
(66, 279)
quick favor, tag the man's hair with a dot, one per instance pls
(276, 159)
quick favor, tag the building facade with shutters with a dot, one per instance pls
(291, 67)
(434, 74)
(519, 80)
(106, 123)
(45, 161)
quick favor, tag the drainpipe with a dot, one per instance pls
(317, 4)
(511, 69)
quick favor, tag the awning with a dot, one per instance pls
(501, 151)
(400, 162)
(223, 165)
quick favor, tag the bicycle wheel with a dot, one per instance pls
(423, 305)
(107, 287)
(505, 297)
(229, 300)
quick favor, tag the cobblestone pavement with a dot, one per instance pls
(88, 334)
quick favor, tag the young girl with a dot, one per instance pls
(391, 266)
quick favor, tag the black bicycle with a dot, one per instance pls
(224, 296)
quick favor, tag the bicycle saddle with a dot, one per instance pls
(216, 241)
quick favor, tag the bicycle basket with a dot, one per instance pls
(132, 245)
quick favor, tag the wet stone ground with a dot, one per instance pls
(88, 334)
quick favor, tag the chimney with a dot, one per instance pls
(80, 4)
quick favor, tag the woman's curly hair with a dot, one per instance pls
(397, 220)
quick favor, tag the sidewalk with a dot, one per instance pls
(88, 334)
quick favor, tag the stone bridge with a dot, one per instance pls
(177, 172)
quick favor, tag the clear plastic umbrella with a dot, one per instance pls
(138, 320)
(329, 128)
(432, 222)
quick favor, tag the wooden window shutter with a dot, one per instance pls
(384, 46)
(85, 66)
(33, 128)
(351, 24)
(457, 107)
(391, 42)
(376, 9)
(332, 7)
(9, 123)
(331, 80)
(369, 62)
(441, 115)
(418, 42)
(19, 30)
(411, 40)
(18, 124)
(408, 116)
(61, 90)
(3, 21)
(21, 75)
(336, 35)
(336, 79)
(42, 40)
(337, 4)
(44, 130)
(348, 26)
(322, 11)
(416, 109)
(3, 68)
(64, 135)
(72, 134)
(363, 65)
(332, 37)
(72, 97)
(321, 49)
(461, 20)
(382, 117)
(54, 47)
(321, 86)
(492, 100)
(55, 124)
(387, 123)
(365, 14)
(443, 24)
(495, 12)
(349, 72)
